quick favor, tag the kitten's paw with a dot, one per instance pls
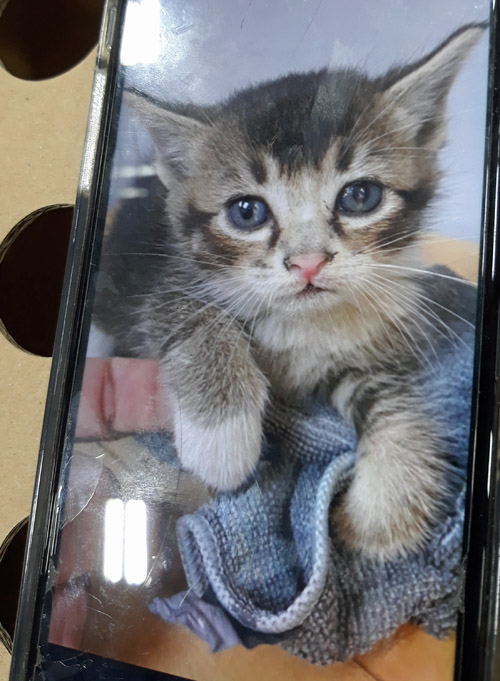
(368, 530)
(384, 515)
(223, 455)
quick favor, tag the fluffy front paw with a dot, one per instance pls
(387, 512)
(222, 454)
(379, 530)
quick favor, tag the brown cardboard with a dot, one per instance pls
(4, 663)
(42, 127)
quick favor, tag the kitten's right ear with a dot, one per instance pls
(420, 91)
(175, 136)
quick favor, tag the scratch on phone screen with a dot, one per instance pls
(307, 27)
(182, 28)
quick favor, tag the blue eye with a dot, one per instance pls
(248, 213)
(360, 197)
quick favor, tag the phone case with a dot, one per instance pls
(270, 441)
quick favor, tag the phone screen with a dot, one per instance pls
(265, 460)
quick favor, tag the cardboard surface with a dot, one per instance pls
(42, 128)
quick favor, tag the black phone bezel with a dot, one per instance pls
(478, 642)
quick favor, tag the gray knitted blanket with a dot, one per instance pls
(262, 565)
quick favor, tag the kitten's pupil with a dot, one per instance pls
(360, 197)
(248, 213)
(246, 210)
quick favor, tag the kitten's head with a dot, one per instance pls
(288, 196)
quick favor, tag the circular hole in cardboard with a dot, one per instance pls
(32, 263)
(43, 38)
(11, 567)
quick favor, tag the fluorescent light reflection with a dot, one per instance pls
(113, 540)
(125, 541)
(142, 37)
(135, 554)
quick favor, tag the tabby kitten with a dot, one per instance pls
(290, 236)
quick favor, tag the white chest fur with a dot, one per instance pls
(297, 353)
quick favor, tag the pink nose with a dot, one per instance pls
(309, 264)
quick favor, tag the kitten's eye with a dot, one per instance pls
(360, 197)
(248, 213)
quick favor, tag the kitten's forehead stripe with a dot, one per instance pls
(258, 170)
(345, 156)
(296, 118)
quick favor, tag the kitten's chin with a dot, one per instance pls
(309, 301)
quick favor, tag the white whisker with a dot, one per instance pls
(429, 273)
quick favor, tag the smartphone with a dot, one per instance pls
(270, 442)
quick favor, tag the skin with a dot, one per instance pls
(119, 396)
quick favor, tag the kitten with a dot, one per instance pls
(287, 258)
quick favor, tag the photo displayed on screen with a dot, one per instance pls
(269, 463)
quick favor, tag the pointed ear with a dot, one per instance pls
(175, 135)
(420, 91)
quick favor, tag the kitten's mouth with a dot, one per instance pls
(310, 290)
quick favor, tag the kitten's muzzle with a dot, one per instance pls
(308, 265)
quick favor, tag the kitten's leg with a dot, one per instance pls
(218, 395)
(398, 489)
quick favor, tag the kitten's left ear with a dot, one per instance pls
(175, 135)
(420, 91)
